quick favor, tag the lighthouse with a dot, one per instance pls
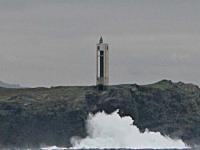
(102, 64)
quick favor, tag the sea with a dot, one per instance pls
(111, 132)
(57, 148)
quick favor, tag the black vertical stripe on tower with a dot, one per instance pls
(101, 63)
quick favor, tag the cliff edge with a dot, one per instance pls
(32, 117)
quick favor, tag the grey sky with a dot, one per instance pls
(52, 42)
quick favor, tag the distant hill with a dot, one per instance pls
(7, 85)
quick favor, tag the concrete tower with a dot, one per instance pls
(102, 64)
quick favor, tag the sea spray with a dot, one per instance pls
(112, 131)
(53, 148)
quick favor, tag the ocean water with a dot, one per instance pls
(111, 132)
(56, 148)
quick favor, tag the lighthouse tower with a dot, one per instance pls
(102, 64)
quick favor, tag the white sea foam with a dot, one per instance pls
(112, 131)
(53, 148)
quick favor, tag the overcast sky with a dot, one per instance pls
(53, 42)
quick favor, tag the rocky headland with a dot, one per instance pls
(33, 117)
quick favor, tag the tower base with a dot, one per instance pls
(100, 87)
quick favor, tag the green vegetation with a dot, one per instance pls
(51, 116)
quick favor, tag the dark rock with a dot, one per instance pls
(51, 116)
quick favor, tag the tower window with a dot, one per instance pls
(101, 64)
(98, 47)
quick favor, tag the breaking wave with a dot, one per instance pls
(112, 131)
